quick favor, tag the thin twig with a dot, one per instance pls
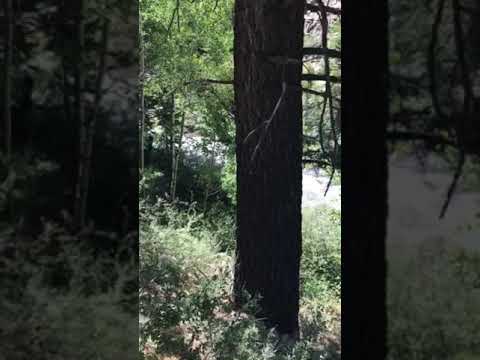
(172, 19)
(466, 102)
(269, 121)
(454, 183)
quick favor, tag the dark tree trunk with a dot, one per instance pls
(267, 58)
(80, 119)
(7, 82)
(364, 178)
(142, 101)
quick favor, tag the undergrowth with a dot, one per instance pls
(433, 302)
(186, 259)
(60, 301)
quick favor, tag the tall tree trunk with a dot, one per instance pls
(91, 125)
(172, 147)
(267, 59)
(142, 100)
(7, 82)
(176, 159)
(79, 218)
(364, 178)
(63, 18)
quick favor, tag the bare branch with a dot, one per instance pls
(415, 136)
(315, 77)
(454, 183)
(313, 92)
(328, 9)
(322, 51)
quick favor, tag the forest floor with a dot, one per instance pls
(434, 264)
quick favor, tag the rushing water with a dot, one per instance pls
(315, 183)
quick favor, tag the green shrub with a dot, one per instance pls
(321, 259)
(229, 179)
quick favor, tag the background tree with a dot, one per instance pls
(7, 83)
(73, 101)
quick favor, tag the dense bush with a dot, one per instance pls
(197, 181)
(321, 261)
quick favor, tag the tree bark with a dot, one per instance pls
(269, 156)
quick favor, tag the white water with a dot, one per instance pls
(314, 180)
(314, 185)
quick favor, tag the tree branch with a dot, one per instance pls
(322, 51)
(413, 136)
(313, 92)
(315, 77)
(328, 9)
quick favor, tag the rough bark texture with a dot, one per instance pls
(364, 178)
(267, 56)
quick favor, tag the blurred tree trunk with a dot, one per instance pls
(63, 18)
(79, 216)
(268, 99)
(87, 126)
(91, 124)
(177, 152)
(142, 100)
(364, 178)
(171, 134)
(7, 82)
